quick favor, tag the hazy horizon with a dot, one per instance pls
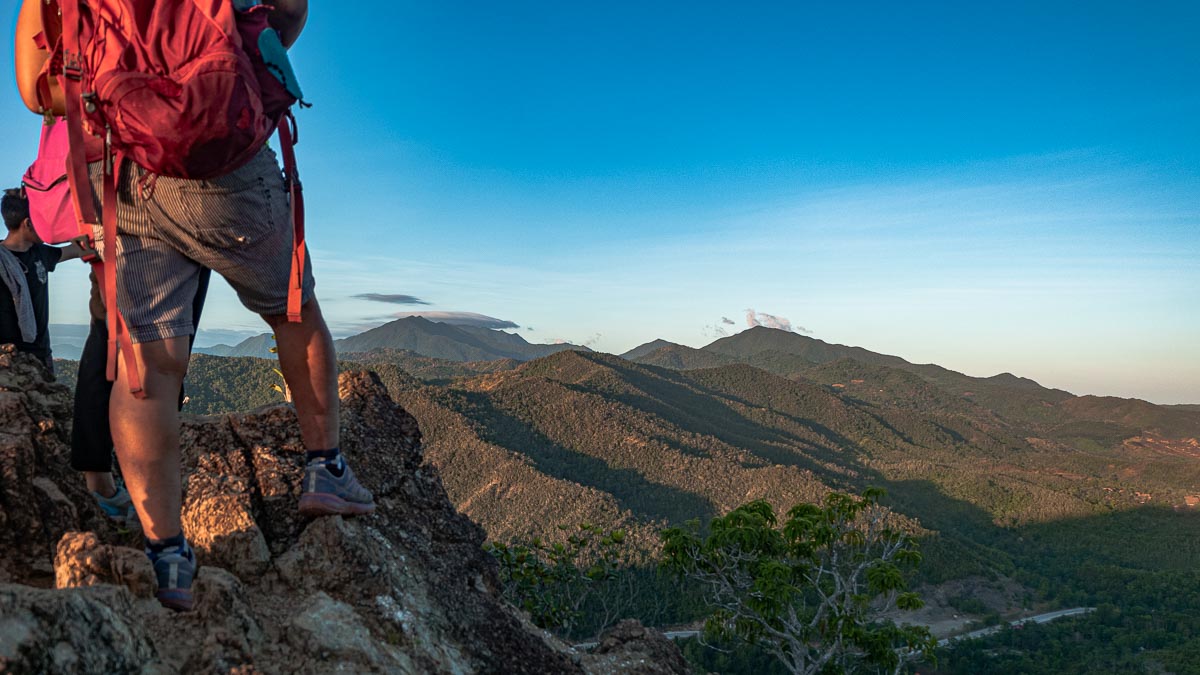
(211, 337)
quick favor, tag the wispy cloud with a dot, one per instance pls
(754, 318)
(391, 298)
(461, 319)
(341, 329)
(717, 329)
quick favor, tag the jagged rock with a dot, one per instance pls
(232, 633)
(331, 632)
(334, 554)
(407, 589)
(85, 630)
(629, 648)
(81, 560)
(223, 532)
(40, 496)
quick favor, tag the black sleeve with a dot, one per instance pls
(50, 256)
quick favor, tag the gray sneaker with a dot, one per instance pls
(174, 567)
(326, 494)
(119, 507)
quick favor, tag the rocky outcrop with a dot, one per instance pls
(405, 590)
(40, 496)
(630, 648)
(88, 630)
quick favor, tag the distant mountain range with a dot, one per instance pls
(66, 340)
(667, 432)
(419, 336)
(791, 355)
(259, 346)
(445, 341)
(779, 352)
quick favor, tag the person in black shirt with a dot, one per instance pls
(24, 257)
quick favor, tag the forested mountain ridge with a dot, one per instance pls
(704, 439)
(446, 341)
(679, 357)
(664, 444)
(1079, 501)
(1021, 401)
(258, 346)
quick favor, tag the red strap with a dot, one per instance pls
(118, 332)
(44, 95)
(108, 272)
(83, 197)
(287, 140)
(51, 68)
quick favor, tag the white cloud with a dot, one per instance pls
(754, 318)
(460, 319)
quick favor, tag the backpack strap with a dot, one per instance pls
(85, 199)
(288, 136)
(118, 331)
(70, 80)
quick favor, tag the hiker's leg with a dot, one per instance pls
(146, 434)
(100, 482)
(245, 235)
(91, 442)
(309, 366)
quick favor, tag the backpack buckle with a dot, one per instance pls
(72, 66)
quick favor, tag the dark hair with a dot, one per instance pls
(15, 208)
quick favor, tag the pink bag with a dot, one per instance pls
(49, 192)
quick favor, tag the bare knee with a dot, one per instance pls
(309, 313)
(164, 358)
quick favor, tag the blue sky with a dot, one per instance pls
(992, 188)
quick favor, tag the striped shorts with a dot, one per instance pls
(238, 225)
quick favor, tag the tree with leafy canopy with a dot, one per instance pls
(553, 581)
(811, 592)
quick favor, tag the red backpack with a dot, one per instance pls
(184, 88)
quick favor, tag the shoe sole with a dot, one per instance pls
(314, 504)
(178, 599)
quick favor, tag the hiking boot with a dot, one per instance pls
(175, 567)
(330, 489)
(119, 507)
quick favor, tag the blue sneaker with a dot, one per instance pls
(330, 489)
(119, 507)
(175, 567)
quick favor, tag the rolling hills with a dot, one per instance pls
(526, 445)
(1075, 498)
(625, 441)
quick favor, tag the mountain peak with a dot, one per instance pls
(644, 349)
(447, 341)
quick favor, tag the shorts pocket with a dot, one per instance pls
(232, 220)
